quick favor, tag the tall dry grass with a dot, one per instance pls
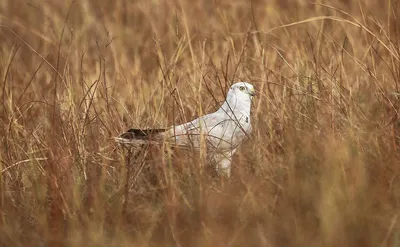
(321, 167)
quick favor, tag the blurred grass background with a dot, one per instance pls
(321, 167)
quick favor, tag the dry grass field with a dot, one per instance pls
(322, 166)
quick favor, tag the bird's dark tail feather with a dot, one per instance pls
(141, 134)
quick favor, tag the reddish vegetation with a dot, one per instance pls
(321, 167)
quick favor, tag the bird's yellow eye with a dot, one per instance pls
(241, 88)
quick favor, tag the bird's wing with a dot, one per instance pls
(221, 131)
(141, 136)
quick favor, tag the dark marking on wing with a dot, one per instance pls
(141, 133)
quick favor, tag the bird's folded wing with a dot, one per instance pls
(219, 129)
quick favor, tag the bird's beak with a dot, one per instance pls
(252, 92)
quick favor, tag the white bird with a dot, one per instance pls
(222, 130)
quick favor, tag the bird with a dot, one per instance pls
(222, 131)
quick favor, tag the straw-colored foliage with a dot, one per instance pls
(321, 167)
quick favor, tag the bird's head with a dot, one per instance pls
(239, 97)
(243, 90)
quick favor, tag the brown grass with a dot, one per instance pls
(322, 165)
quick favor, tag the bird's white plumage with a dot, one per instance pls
(222, 130)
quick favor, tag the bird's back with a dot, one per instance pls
(221, 131)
